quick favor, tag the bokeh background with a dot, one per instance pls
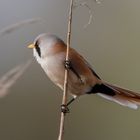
(111, 43)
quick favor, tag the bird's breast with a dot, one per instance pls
(54, 68)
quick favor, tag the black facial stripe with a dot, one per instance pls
(38, 51)
(37, 48)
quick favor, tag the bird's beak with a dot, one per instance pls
(31, 46)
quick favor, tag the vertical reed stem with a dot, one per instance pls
(64, 99)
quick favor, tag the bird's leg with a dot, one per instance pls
(64, 108)
(68, 65)
(69, 102)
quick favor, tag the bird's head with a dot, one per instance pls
(46, 45)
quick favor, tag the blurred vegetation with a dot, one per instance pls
(110, 44)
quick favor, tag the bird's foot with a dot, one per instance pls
(65, 109)
(67, 64)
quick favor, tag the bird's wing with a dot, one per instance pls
(108, 91)
(90, 67)
(80, 64)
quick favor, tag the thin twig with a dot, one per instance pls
(84, 4)
(64, 99)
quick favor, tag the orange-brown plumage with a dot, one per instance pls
(50, 52)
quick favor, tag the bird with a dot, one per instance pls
(50, 52)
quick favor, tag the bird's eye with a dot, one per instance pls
(37, 48)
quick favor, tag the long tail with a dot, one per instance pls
(122, 96)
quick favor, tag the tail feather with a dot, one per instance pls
(125, 91)
(120, 101)
(122, 96)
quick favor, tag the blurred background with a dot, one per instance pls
(110, 43)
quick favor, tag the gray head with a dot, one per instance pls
(43, 44)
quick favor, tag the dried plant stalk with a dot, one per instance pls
(17, 25)
(11, 77)
(64, 99)
(84, 4)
